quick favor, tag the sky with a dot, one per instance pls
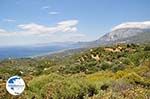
(29, 22)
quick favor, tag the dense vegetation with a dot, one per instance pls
(112, 72)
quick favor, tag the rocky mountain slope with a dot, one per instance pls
(131, 32)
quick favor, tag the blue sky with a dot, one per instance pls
(24, 22)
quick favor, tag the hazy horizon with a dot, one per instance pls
(26, 22)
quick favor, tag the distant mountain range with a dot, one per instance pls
(126, 35)
(131, 32)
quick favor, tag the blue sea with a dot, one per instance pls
(25, 52)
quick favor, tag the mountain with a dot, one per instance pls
(131, 32)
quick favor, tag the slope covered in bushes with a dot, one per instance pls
(109, 72)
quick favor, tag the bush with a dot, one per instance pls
(147, 48)
(105, 66)
(133, 78)
(118, 67)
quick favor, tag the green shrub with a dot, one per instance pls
(105, 66)
(133, 78)
(147, 48)
(118, 67)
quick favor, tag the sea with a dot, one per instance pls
(26, 52)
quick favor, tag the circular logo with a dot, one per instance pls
(15, 85)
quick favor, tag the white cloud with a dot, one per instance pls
(45, 7)
(64, 26)
(9, 20)
(68, 23)
(141, 25)
(53, 13)
(6, 33)
(2, 31)
(68, 26)
(37, 33)
(36, 29)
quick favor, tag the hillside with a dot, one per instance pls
(117, 71)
